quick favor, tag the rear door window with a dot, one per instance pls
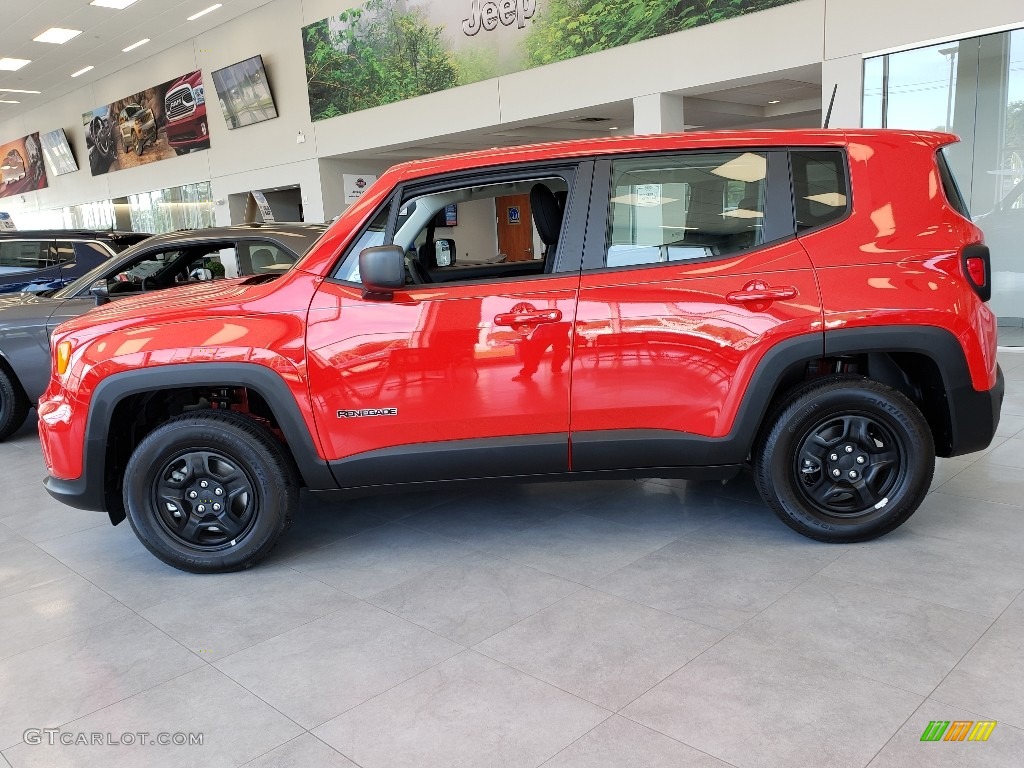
(686, 207)
(18, 256)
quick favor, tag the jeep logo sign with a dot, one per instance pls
(486, 15)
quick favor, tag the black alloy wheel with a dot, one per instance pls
(205, 499)
(848, 465)
(210, 491)
(844, 459)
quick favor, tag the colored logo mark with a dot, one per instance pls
(958, 730)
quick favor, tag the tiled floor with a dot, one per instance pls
(619, 624)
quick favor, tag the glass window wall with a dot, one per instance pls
(975, 89)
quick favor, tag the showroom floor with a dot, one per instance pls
(605, 624)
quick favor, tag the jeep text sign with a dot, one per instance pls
(487, 15)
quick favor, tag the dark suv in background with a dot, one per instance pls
(49, 259)
(161, 262)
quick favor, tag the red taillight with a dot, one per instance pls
(976, 271)
(977, 268)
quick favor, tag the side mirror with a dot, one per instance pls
(382, 271)
(444, 252)
(100, 291)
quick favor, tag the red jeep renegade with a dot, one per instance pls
(810, 304)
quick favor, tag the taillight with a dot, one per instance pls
(977, 267)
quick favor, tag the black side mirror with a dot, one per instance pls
(382, 271)
(100, 291)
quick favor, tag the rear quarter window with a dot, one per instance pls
(820, 188)
(949, 185)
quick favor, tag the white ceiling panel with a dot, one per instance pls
(105, 31)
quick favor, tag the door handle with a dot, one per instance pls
(528, 317)
(760, 293)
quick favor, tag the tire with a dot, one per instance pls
(872, 435)
(14, 406)
(140, 145)
(179, 151)
(168, 467)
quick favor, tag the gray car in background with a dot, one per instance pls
(158, 263)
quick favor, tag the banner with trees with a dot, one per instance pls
(389, 50)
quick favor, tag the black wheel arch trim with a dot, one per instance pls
(90, 492)
(973, 415)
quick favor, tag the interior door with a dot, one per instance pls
(698, 276)
(458, 379)
(515, 227)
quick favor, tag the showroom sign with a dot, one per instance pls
(155, 124)
(22, 169)
(362, 57)
(355, 185)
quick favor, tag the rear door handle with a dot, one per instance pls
(528, 317)
(752, 294)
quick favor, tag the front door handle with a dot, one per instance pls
(759, 292)
(528, 317)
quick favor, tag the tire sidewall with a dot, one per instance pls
(152, 455)
(898, 415)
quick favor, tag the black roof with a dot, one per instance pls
(74, 234)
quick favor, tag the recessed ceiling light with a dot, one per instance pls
(775, 101)
(13, 65)
(7, 101)
(119, 5)
(133, 46)
(82, 71)
(57, 35)
(205, 11)
(15, 90)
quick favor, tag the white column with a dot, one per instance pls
(658, 113)
(848, 74)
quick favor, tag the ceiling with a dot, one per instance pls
(105, 31)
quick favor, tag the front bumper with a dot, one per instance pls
(975, 416)
(189, 133)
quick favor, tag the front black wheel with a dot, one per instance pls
(845, 459)
(210, 491)
(14, 406)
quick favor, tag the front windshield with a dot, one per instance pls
(81, 285)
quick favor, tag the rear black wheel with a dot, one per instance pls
(845, 459)
(14, 405)
(210, 491)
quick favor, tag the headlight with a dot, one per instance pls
(63, 357)
(200, 95)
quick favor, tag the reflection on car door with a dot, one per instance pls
(698, 274)
(461, 379)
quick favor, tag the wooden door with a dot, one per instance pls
(515, 227)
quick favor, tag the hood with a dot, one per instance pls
(192, 79)
(24, 300)
(178, 303)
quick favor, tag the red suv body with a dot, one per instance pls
(185, 110)
(808, 303)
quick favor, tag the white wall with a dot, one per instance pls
(832, 35)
